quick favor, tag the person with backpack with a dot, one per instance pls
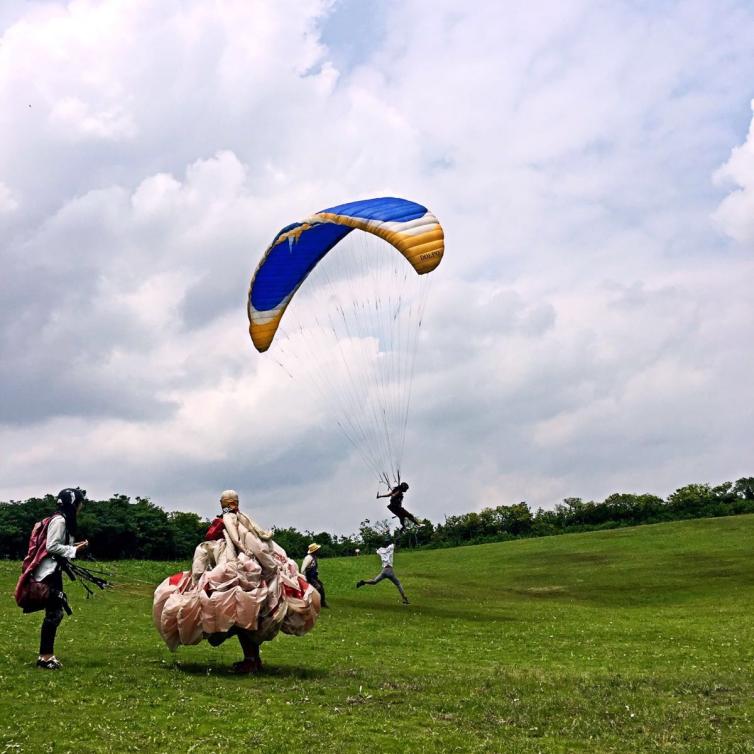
(52, 544)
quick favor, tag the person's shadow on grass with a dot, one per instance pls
(430, 610)
(268, 670)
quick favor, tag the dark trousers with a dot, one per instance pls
(53, 613)
(402, 514)
(248, 645)
(318, 585)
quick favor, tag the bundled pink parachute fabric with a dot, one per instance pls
(262, 593)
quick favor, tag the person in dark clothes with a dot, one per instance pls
(395, 505)
(310, 570)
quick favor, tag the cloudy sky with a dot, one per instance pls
(589, 330)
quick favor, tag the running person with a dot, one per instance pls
(387, 572)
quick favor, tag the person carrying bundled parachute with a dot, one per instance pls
(241, 584)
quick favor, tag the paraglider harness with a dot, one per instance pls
(32, 595)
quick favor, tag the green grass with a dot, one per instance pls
(634, 640)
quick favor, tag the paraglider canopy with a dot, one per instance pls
(351, 332)
(298, 248)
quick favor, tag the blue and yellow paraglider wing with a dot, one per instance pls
(298, 248)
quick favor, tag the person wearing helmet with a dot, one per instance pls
(311, 571)
(395, 506)
(59, 544)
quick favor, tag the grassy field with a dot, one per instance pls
(635, 640)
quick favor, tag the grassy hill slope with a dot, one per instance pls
(629, 640)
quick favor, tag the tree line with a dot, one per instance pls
(505, 522)
(124, 528)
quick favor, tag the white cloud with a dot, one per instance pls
(585, 329)
(736, 212)
(77, 120)
(8, 202)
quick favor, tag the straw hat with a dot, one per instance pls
(312, 548)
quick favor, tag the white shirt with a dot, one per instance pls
(306, 563)
(386, 556)
(58, 543)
